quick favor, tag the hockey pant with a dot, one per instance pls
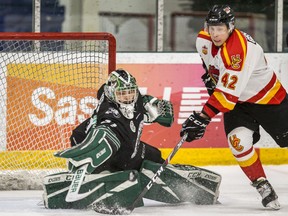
(176, 184)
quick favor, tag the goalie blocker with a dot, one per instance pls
(177, 184)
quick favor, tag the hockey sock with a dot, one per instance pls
(253, 168)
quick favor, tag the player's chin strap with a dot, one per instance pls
(73, 192)
(128, 210)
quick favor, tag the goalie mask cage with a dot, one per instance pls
(48, 86)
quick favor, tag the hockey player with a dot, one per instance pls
(246, 90)
(109, 164)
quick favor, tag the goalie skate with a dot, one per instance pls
(269, 196)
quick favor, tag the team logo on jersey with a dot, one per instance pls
(235, 64)
(204, 50)
(114, 112)
(132, 126)
(235, 143)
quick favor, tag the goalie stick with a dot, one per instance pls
(128, 210)
(73, 192)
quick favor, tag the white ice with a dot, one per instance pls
(237, 198)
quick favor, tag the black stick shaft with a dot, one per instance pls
(157, 174)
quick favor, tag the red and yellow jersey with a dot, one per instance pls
(240, 72)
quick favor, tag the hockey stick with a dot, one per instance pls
(157, 174)
(128, 210)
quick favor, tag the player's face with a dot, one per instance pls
(219, 34)
(126, 96)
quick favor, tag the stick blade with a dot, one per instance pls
(114, 210)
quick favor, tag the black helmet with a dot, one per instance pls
(220, 14)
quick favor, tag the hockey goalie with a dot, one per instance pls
(108, 163)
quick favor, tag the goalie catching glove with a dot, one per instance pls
(160, 111)
(194, 126)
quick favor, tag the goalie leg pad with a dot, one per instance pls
(104, 191)
(96, 148)
(181, 183)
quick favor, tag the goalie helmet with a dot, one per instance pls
(121, 88)
(220, 14)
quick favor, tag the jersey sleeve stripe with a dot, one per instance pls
(262, 93)
(208, 111)
(279, 96)
(226, 55)
(204, 35)
(272, 93)
(219, 101)
(244, 46)
(223, 100)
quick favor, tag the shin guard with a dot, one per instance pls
(181, 183)
(106, 190)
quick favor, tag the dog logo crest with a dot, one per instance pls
(204, 50)
(235, 143)
(235, 64)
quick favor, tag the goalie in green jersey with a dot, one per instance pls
(109, 165)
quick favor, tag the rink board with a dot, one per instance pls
(195, 156)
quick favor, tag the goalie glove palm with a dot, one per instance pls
(194, 126)
(160, 111)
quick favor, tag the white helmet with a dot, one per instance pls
(121, 88)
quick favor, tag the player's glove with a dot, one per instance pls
(160, 111)
(194, 126)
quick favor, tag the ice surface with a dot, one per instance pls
(237, 198)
